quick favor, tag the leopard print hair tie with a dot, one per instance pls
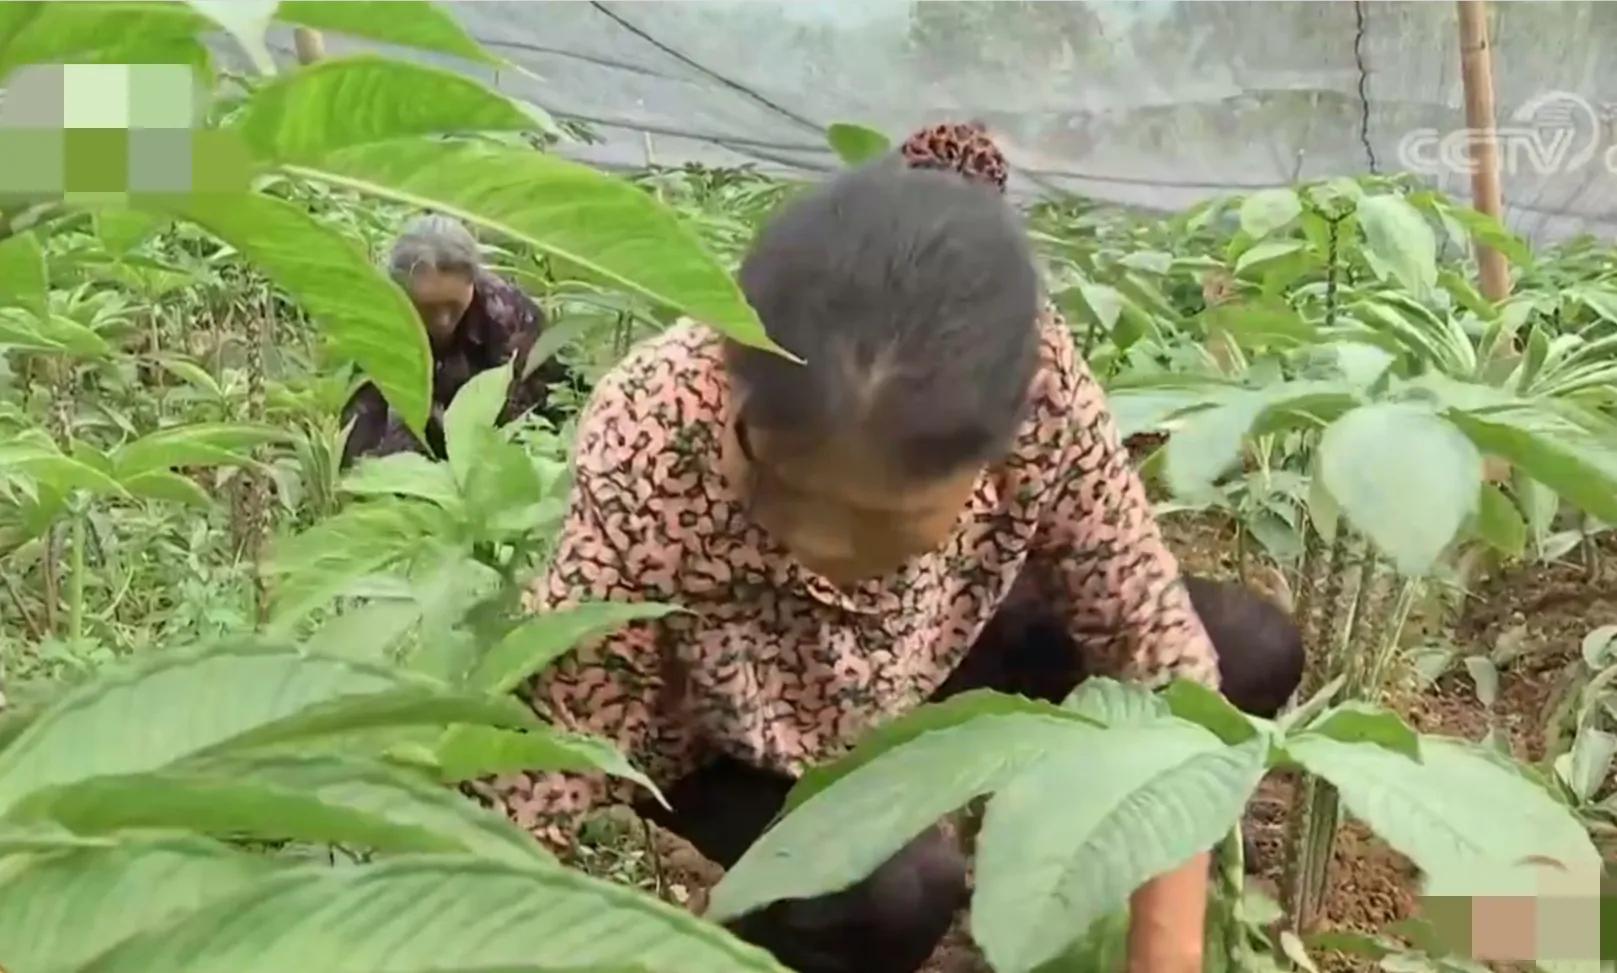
(964, 148)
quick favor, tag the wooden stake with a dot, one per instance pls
(311, 47)
(1476, 69)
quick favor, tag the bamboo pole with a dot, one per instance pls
(1476, 70)
(311, 47)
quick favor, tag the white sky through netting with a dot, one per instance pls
(1150, 103)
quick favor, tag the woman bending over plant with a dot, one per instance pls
(474, 321)
(841, 531)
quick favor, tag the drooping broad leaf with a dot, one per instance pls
(1268, 210)
(43, 837)
(538, 642)
(1204, 444)
(320, 563)
(1500, 523)
(598, 222)
(205, 697)
(1112, 704)
(468, 752)
(1586, 767)
(432, 914)
(1360, 722)
(351, 101)
(195, 444)
(122, 230)
(1486, 229)
(856, 143)
(1068, 840)
(33, 454)
(1457, 811)
(367, 317)
(221, 807)
(367, 632)
(99, 33)
(1401, 239)
(1209, 710)
(405, 475)
(1579, 467)
(1405, 476)
(1259, 323)
(954, 711)
(408, 706)
(1146, 408)
(63, 909)
(373, 790)
(167, 487)
(407, 23)
(841, 834)
(23, 282)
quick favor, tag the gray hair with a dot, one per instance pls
(435, 241)
(914, 299)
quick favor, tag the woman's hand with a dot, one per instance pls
(1167, 918)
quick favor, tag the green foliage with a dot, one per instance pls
(855, 143)
(1081, 814)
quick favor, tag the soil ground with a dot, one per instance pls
(1543, 609)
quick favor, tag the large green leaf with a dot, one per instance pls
(1070, 839)
(225, 807)
(352, 101)
(1268, 210)
(1111, 703)
(99, 33)
(1260, 323)
(322, 562)
(367, 632)
(169, 488)
(33, 454)
(410, 706)
(598, 222)
(433, 914)
(1403, 475)
(196, 444)
(180, 704)
(1402, 240)
(469, 420)
(954, 711)
(407, 23)
(63, 909)
(469, 752)
(855, 144)
(366, 315)
(316, 798)
(538, 642)
(122, 230)
(844, 832)
(23, 282)
(1578, 466)
(405, 475)
(1204, 444)
(1457, 811)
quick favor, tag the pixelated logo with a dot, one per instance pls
(102, 133)
(1553, 132)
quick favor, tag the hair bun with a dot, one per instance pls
(962, 147)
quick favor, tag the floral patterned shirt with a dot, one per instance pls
(772, 664)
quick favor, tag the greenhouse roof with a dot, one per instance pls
(1154, 104)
